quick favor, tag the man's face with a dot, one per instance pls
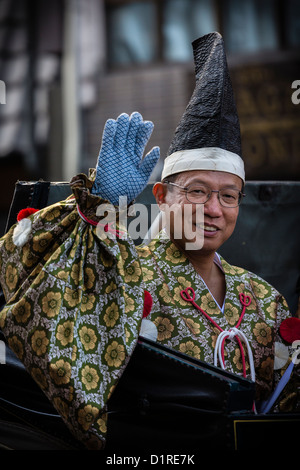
(219, 221)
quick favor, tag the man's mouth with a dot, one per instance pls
(207, 228)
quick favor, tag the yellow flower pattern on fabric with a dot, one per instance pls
(237, 359)
(111, 287)
(62, 407)
(27, 257)
(127, 336)
(263, 333)
(102, 423)
(52, 214)
(11, 277)
(60, 371)
(129, 303)
(123, 252)
(147, 274)
(64, 333)
(71, 297)
(9, 245)
(39, 342)
(63, 275)
(165, 294)
(89, 278)
(164, 327)
(232, 314)
(88, 338)
(17, 346)
(144, 252)
(90, 377)
(75, 246)
(76, 274)
(133, 272)
(208, 304)
(41, 241)
(22, 311)
(51, 303)
(260, 290)
(184, 283)
(193, 326)
(174, 255)
(88, 302)
(190, 348)
(111, 315)
(271, 309)
(87, 415)
(115, 354)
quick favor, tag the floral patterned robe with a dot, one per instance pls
(166, 272)
(75, 304)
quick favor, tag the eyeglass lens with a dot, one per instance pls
(200, 194)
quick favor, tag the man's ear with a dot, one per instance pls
(159, 192)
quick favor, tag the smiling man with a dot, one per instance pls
(221, 314)
(199, 304)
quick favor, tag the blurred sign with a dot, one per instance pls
(267, 98)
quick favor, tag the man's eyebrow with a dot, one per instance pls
(205, 183)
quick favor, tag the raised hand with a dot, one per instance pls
(121, 169)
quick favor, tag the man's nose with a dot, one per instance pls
(213, 206)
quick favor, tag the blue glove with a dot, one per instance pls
(121, 170)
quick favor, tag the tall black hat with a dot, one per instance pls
(208, 135)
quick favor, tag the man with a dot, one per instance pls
(75, 300)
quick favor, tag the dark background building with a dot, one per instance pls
(68, 65)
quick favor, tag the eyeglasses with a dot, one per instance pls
(200, 194)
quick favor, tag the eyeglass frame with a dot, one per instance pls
(185, 188)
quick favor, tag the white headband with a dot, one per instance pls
(206, 158)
